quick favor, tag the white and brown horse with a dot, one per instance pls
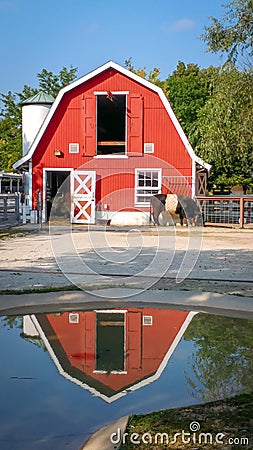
(184, 206)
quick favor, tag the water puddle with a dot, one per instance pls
(65, 374)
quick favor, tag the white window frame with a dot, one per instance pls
(147, 321)
(113, 155)
(71, 146)
(157, 190)
(114, 311)
(74, 318)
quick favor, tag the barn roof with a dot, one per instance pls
(129, 74)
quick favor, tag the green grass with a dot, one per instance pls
(13, 232)
(39, 290)
(232, 417)
(72, 287)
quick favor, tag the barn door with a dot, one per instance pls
(89, 125)
(134, 341)
(201, 183)
(135, 125)
(89, 341)
(83, 196)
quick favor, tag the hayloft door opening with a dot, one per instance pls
(110, 342)
(111, 124)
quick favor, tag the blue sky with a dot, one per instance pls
(50, 34)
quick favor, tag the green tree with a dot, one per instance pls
(10, 132)
(187, 90)
(51, 83)
(233, 34)
(10, 115)
(153, 76)
(223, 130)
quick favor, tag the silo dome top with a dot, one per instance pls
(39, 98)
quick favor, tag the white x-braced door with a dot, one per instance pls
(83, 185)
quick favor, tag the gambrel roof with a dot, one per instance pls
(131, 75)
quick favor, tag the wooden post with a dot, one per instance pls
(242, 212)
(24, 211)
(5, 207)
(17, 201)
(39, 208)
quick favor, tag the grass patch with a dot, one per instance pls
(232, 417)
(39, 290)
(42, 290)
(13, 232)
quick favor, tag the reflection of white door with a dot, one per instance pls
(83, 185)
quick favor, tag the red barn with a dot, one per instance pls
(110, 352)
(113, 139)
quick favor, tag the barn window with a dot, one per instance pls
(147, 320)
(73, 318)
(111, 124)
(149, 147)
(147, 183)
(73, 148)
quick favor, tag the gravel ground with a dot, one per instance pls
(215, 259)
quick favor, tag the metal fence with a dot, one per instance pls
(228, 210)
(9, 208)
(14, 210)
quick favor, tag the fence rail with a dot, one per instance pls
(10, 207)
(227, 210)
(14, 210)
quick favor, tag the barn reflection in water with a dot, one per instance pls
(109, 352)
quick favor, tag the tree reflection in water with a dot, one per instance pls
(11, 322)
(223, 359)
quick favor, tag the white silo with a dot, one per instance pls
(34, 111)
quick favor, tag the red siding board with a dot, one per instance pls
(113, 187)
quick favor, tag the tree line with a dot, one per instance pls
(213, 105)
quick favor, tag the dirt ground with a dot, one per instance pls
(215, 259)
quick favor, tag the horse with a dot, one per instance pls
(182, 205)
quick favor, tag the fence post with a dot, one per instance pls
(17, 212)
(39, 198)
(241, 212)
(5, 207)
(24, 208)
